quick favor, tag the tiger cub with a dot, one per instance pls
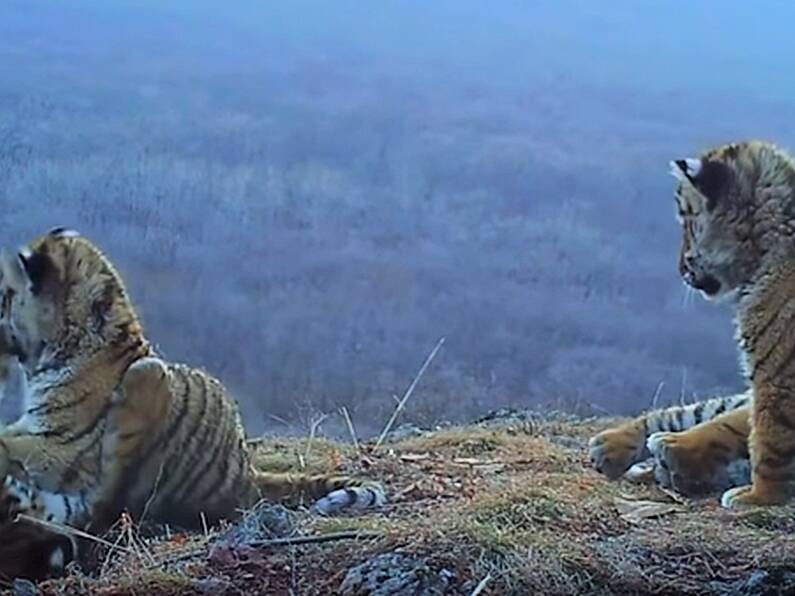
(109, 426)
(736, 207)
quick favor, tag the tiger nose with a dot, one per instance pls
(687, 264)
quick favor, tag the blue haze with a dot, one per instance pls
(304, 196)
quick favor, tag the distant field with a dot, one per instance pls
(304, 213)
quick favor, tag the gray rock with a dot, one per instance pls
(514, 417)
(395, 574)
(211, 586)
(759, 583)
(568, 442)
(264, 522)
(404, 431)
(25, 587)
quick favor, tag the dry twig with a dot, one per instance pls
(351, 430)
(481, 586)
(402, 403)
(312, 432)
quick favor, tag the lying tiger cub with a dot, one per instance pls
(108, 426)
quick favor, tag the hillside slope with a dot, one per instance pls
(507, 505)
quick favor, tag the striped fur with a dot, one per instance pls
(615, 450)
(107, 425)
(736, 206)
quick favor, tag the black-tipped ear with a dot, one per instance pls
(685, 169)
(38, 268)
(713, 181)
(62, 232)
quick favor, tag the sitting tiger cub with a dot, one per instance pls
(107, 425)
(736, 206)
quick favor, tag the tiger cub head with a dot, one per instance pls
(60, 294)
(735, 205)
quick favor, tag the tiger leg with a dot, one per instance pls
(329, 493)
(19, 495)
(13, 392)
(707, 458)
(772, 446)
(140, 408)
(28, 549)
(32, 552)
(15, 398)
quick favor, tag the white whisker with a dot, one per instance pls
(687, 297)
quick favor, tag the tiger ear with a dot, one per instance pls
(710, 178)
(13, 270)
(62, 232)
(713, 181)
(685, 169)
(31, 268)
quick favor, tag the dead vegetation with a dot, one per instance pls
(493, 508)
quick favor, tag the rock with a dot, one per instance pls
(264, 522)
(395, 574)
(404, 431)
(25, 587)
(211, 586)
(516, 417)
(759, 583)
(568, 442)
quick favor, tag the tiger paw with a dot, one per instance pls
(356, 498)
(753, 496)
(690, 465)
(16, 498)
(615, 450)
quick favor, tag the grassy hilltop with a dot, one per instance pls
(497, 507)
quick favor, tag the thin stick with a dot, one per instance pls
(657, 395)
(312, 430)
(481, 586)
(684, 382)
(279, 419)
(407, 395)
(330, 537)
(351, 430)
(68, 530)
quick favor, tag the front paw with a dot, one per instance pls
(614, 450)
(752, 495)
(15, 498)
(690, 465)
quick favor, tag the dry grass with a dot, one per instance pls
(516, 507)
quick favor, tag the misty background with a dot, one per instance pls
(305, 196)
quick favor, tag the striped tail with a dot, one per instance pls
(329, 494)
(679, 418)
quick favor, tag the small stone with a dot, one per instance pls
(394, 574)
(211, 586)
(264, 522)
(25, 587)
(403, 432)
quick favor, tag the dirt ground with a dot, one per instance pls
(504, 508)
